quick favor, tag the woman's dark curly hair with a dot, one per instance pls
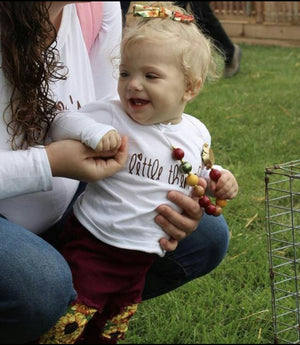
(30, 64)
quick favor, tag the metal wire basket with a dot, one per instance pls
(282, 203)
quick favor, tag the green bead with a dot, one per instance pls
(186, 167)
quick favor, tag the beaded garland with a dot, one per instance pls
(193, 180)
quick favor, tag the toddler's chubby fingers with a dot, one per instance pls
(110, 142)
(229, 190)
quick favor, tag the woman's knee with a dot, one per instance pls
(35, 285)
(196, 255)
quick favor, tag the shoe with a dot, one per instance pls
(234, 67)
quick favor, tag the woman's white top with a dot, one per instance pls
(29, 195)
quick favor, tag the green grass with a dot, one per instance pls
(254, 122)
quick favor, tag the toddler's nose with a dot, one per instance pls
(135, 85)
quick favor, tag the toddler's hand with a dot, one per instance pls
(109, 144)
(226, 187)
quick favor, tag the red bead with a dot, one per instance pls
(204, 201)
(210, 209)
(178, 153)
(215, 174)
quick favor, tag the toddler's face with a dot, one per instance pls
(151, 83)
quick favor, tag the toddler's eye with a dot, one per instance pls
(123, 74)
(151, 76)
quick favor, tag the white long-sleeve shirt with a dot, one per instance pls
(131, 196)
(29, 195)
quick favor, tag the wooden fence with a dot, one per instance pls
(260, 22)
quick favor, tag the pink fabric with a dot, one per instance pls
(90, 16)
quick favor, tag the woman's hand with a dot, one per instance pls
(178, 225)
(72, 159)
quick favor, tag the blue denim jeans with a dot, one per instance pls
(36, 283)
(195, 256)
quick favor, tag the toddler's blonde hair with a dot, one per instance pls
(194, 49)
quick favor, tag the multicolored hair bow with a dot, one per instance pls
(161, 12)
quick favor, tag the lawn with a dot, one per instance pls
(254, 122)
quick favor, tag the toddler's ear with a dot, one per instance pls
(192, 90)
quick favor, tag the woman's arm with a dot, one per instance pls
(29, 171)
(71, 158)
(24, 171)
